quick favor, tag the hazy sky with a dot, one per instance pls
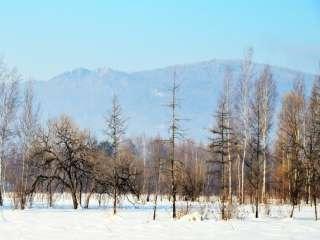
(44, 38)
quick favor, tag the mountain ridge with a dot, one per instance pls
(221, 61)
(86, 94)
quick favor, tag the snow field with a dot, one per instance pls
(135, 222)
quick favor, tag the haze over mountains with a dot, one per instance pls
(86, 95)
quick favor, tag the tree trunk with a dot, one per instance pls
(74, 200)
(22, 200)
(242, 171)
(263, 195)
(223, 215)
(257, 204)
(155, 207)
(80, 196)
(174, 206)
(315, 207)
(30, 199)
(229, 176)
(115, 201)
(1, 199)
(291, 214)
(50, 201)
(99, 199)
(238, 177)
(86, 205)
(1, 179)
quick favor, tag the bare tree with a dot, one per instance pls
(290, 140)
(268, 91)
(262, 105)
(175, 133)
(219, 148)
(227, 82)
(311, 148)
(157, 155)
(28, 127)
(9, 80)
(61, 153)
(192, 184)
(242, 105)
(115, 129)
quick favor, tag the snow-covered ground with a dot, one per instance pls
(135, 222)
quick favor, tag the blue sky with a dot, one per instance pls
(44, 38)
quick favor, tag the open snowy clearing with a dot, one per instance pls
(135, 222)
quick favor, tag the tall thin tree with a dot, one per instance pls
(9, 80)
(175, 133)
(27, 129)
(242, 106)
(115, 129)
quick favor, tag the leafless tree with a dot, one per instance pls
(242, 106)
(268, 95)
(227, 87)
(9, 80)
(175, 133)
(157, 158)
(262, 106)
(28, 127)
(61, 153)
(115, 129)
(311, 148)
(219, 148)
(290, 140)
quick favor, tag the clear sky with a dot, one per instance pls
(44, 38)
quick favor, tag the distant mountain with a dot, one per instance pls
(86, 95)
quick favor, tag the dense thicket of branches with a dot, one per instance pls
(238, 163)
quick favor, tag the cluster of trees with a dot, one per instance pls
(256, 160)
(59, 156)
(239, 163)
(297, 149)
(240, 137)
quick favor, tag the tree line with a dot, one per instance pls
(254, 154)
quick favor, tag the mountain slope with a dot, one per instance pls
(86, 95)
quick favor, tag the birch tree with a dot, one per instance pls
(242, 105)
(268, 91)
(260, 124)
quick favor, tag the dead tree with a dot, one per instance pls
(175, 133)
